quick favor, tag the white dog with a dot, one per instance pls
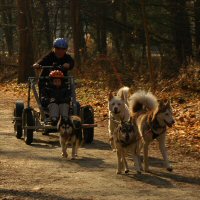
(118, 112)
(124, 94)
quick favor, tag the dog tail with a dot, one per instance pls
(142, 100)
(123, 93)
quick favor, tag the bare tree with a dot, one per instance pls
(48, 32)
(76, 29)
(146, 29)
(7, 19)
(26, 56)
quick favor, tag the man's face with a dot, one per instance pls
(60, 52)
(57, 82)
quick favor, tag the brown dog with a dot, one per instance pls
(127, 140)
(70, 133)
(152, 119)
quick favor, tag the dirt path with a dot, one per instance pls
(39, 172)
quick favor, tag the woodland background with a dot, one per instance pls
(144, 44)
(154, 38)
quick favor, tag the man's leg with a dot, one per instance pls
(41, 85)
(64, 110)
(53, 111)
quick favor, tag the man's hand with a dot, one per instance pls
(36, 66)
(66, 66)
(52, 100)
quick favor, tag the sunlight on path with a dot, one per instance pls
(6, 114)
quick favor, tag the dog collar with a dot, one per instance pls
(154, 133)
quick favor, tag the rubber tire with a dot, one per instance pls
(18, 111)
(87, 116)
(28, 120)
(78, 108)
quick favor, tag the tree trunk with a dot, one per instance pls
(47, 30)
(197, 28)
(75, 21)
(101, 29)
(125, 36)
(181, 31)
(98, 37)
(62, 22)
(117, 38)
(8, 30)
(26, 56)
(103, 33)
(149, 58)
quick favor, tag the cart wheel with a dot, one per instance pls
(87, 116)
(18, 110)
(28, 120)
(78, 108)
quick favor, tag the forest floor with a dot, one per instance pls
(39, 172)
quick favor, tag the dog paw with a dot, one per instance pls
(114, 150)
(146, 170)
(64, 155)
(170, 169)
(118, 172)
(139, 172)
(126, 171)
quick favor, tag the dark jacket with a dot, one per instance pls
(55, 95)
(51, 60)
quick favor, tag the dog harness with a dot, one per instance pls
(152, 130)
(126, 127)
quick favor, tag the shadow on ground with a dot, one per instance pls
(163, 179)
(98, 144)
(16, 194)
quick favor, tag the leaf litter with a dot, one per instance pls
(184, 134)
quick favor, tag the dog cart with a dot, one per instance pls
(27, 119)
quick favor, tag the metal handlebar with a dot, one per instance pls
(46, 67)
(65, 77)
(49, 67)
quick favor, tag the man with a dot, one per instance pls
(57, 57)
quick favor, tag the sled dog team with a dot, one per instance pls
(134, 122)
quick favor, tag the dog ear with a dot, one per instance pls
(110, 95)
(122, 97)
(165, 104)
(151, 117)
(130, 92)
(161, 104)
(159, 100)
(168, 104)
(161, 107)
